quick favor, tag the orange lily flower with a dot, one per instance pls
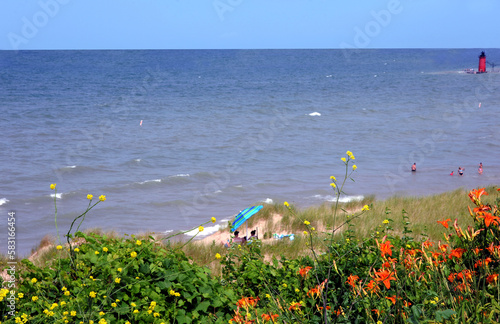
(392, 299)
(295, 306)
(492, 278)
(477, 194)
(489, 218)
(247, 301)
(385, 248)
(444, 222)
(457, 253)
(313, 291)
(372, 287)
(385, 277)
(269, 317)
(351, 281)
(303, 272)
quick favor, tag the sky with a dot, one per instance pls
(248, 24)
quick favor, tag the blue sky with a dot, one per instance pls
(202, 24)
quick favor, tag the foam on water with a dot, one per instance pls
(3, 201)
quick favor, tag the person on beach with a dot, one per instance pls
(238, 239)
(414, 167)
(461, 171)
(480, 168)
(253, 235)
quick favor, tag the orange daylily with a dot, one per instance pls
(492, 278)
(489, 218)
(385, 248)
(445, 222)
(457, 253)
(313, 291)
(385, 277)
(247, 301)
(351, 281)
(392, 299)
(475, 194)
(295, 306)
(269, 317)
(372, 287)
(303, 272)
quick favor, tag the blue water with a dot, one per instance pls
(226, 129)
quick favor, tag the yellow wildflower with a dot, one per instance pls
(89, 197)
(217, 256)
(92, 294)
(34, 298)
(343, 159)
(117, 280)
(333, 185)
(307, 223)
(138, 242)
(365, 208)
(105, 249)
(52, 186)
(119, 269)
(76, 250)
(59, 247)
(102, 197)
(213, 219)
(386, 221)
(201, 228)
(133, 254)
(286, 204)
(33, 280)
(96, 252)
(354, 167)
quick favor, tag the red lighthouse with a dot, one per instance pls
(482, 63)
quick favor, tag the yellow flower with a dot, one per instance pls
(286, 204)
(307, 223)
(136, 311)
(333, 185)
(171, 292)
(349, 153)
(313, 229)
(66, 293)
(365, 208)
(133, 304)
(113, 305)
(138, 242)
(297, 290)
(385, 221)
(73, 313)
(177, 294)
(268, 296)
(59, 247)
(352, 157)
(89, 197)
(343, 159)
(77, 250)
(133, 254)
(96, 252)
(347, 240)
(201, 228)
(33, 280)
(354, 167)
(119, 269)
(213, 219)
(156, 314)
(217, 256)
(91, 322)
(285, 285)
(105, 249)
(102, 313)
(102, 197)
(117, 300)
(20, 295)
(333, 178)
(34, 298)
(117, 280)
(379, 322)
(305, 232)
(52, 186)
(92, 294)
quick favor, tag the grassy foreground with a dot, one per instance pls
(405, 260)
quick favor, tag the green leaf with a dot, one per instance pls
(203, 306)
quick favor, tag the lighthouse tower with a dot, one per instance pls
(482, 63)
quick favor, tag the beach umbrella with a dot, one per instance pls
(243, 216)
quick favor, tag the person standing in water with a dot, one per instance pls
(414, 167)
(461, 171)
(480, 168)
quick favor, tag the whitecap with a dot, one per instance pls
(3, 201)
(315, 114)
(147, 181)
(268, 201)
(206, 231)
(344, 199)
(181, 175)
(70, 167)
(58, 196)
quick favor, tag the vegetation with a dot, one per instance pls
(350, 264)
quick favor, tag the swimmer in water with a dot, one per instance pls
(461, 171)
(451, 173)
(480, 168)
(414, 167)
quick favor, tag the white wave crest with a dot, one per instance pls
(315, 114)
(3, 201)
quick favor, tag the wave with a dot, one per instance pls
(345, 199)
(268, 201)
(3, 201)
(58, 195)
(315, 114)
(206, 231)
